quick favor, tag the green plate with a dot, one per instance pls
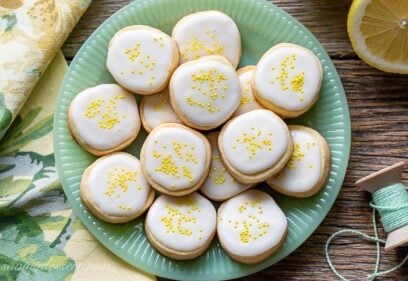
(262, 25)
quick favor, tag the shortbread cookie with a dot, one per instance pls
(208, 33)
(248, 101)
(255, 145)
(104, 118)
(220, 185)
(114, 188)
(287, 80)
(156, 109)
(175, 159)
(307, 170)
(181, 227)
(251, 226)
(142, 59)
(205, 92)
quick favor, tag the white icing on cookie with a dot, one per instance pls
(156, 109)
(208, 33)
(248, 102)
(104, 116)
(250, 224)
(220, 185)
(117, 186)
(141, 58)
(205, 91)
(175, 157)
(255, 141)
(288, 76)
(302, 172)
(182, 224)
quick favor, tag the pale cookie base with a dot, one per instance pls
(177, 109)
(142, 116)
(261, 176)
(173, 66)
(236, 59)
(244, 69)
(257, 258)
(97, 212)
(284, 113)
(97, 152)
(240, 72)
(221, 199)
(324, 170)
(185, 191)
(177, 255)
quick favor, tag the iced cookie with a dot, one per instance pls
(156, 109)
(287, 80)
(181, 227)
(255, 145)
(208, 33)
(114, 188)
(205, 92)
(175, 159)
(142, 59)
(307, 170)
(251, 226)
(248, 101)
(104, 118)
(220, 185)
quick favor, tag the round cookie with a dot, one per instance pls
(104, 118)
(255, 145)
(156, 109)
(208, 33)
(248, 101)
(308, 169)
(220, 185)
(142, 59)
(114, 188)
(205, 93)
(181, 227)
(251, 226)
(287, 80)
(175, 159)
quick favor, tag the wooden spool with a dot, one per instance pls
(385, 177)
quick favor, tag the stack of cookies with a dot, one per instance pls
(215, 132)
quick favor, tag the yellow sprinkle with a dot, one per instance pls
(297, 155)
(120, 179)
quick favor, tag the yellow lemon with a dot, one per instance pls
(378, 31)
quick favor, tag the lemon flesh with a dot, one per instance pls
(378, 30)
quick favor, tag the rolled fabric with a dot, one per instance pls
(31, 32)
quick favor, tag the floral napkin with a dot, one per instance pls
(31, 32)
(41, 239)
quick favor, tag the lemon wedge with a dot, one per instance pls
(378, 30)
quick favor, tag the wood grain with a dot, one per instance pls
(379, 112)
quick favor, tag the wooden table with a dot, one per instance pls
(379, 113)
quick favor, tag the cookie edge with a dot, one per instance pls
(324, 169)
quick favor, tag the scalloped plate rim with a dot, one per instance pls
(99, 235)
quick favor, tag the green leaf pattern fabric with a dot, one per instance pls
(31, 32)
(40, 237)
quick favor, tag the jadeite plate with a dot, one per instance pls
(262, 25)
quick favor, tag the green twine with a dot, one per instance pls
(392, 204)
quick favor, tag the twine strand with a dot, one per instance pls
(391, 203)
